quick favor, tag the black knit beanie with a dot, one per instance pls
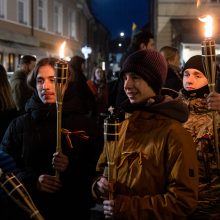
(195, 62)
(150, 65)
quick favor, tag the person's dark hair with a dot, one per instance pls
(142, 36)
(26, 59)
(75, 65)
(6, 100)
(31, 80)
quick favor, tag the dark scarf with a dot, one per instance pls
(145, 106)
(197, 93)
(41, 111)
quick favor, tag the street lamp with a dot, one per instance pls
(86, 51)
(122, 34)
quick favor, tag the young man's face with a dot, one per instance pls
(136, 88)
(45, 84)
(193, 79)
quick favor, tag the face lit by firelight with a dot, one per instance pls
(45, 84)
(193, 79)
(136, 88)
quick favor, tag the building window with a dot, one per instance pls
(58, 18)
(2, 8)
(11, 62)
(23, 10)
(42, 14)
(72, 24)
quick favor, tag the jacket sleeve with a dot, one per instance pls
(12, 144)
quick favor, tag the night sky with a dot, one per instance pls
(118, 15)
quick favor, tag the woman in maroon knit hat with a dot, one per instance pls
(155, 166)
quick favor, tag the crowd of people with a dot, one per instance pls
(166, 160)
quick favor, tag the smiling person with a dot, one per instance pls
(200, 101)
(155, 160)
(31, 140)
(142, 40)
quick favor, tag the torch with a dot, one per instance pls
(18, 193)
(60, 78)
(111, 135)
(209, 62)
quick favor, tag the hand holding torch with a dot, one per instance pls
(209, 62)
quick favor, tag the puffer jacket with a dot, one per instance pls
(31, 140)
(156, 173)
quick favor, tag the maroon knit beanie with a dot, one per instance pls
(150, 65)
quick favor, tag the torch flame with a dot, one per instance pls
(208, 25)
(62, 49)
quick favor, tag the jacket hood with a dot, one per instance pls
(39, 110)
(169, 104)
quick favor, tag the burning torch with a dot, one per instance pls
(60, 78)
(209, 62)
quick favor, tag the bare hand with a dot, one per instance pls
(103, 187)
(108, 206)
(47, 183)
(60, 161)
(213, 101)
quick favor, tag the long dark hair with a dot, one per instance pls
(6, 100)
(31, 80)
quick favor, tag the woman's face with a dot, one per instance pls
(45, 84)
(193, 79)
(98, 74)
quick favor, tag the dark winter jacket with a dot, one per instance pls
(20, 91)
(5, 118)
(31, 140)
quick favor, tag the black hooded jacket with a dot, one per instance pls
(31, 140)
